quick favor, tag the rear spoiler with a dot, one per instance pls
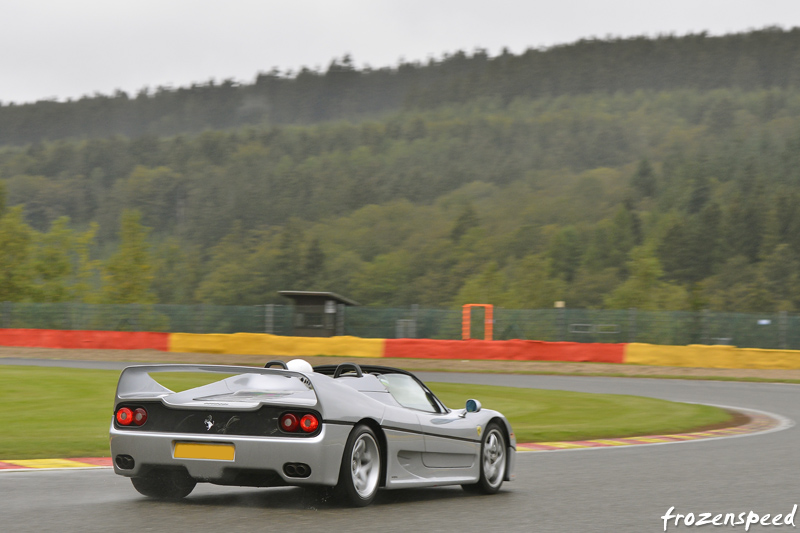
(135, 381)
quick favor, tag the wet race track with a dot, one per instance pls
(624, 489)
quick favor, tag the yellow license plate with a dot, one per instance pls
(196, 450)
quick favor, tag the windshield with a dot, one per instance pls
(408, 393)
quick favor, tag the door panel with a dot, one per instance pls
(450, 441)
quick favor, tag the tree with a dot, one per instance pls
(745, 227)
(86, 268)
(52, 263)
(16, 238)
(467, 220)
(176, 273)
(386, 281)
(289, 252)
(312, 266)
(566, 251)
(3, 195)
(128, 273)
(778, 273)
(155, 193)
(644, 289)
(530, 286)
(643, 180)
(486, 287)
(230, 278)
(738, 288)
(590, 287)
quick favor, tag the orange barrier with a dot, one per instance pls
(466, 321)
(114, 340)
(512, 350)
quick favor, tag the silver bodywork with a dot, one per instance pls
(420, 448)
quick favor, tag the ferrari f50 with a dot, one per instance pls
(352, 428)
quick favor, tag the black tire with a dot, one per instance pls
(492, 462)
(360, 473)
(164, 484)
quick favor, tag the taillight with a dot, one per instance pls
(298, 423)
(309, 423)
(289, 423)
(124, 417)
(139, 416)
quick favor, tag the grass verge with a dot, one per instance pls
(545, 416)
(743, 379)
(64, 412)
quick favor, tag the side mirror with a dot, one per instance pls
(473, 406)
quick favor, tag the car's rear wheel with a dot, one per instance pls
(164, 484)
(360, 473)
(492, 461)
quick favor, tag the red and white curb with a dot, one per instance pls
(760, 422)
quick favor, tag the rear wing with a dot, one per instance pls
(240, 387)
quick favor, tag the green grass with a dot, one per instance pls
(64, 412)
(742, 379)
(544, 415)
(55, 412)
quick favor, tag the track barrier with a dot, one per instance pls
(698, 356)
(51, 338)
(513, 350)
(711, 356)
(265, 344)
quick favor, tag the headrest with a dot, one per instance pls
(299, 365)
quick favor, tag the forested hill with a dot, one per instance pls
(675, 191)
(762, 59)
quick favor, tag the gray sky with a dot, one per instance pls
(60, 49)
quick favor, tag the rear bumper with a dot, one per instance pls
(259, 460)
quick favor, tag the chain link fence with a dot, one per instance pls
(774, 331)
(275, 319)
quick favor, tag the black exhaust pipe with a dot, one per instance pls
(125, 462)
(300, 470)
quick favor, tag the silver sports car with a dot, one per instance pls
(354, 428)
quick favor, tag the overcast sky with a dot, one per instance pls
(69, 48)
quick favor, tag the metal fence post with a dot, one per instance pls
(632, 324)
(783, 328)
(269, 319)
(705, 319)
(562, 323)
(340, 319)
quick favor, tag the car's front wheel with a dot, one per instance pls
(164, 484)
(492, 461)
(360, 473)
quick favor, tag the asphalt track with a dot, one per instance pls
(623, 489)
